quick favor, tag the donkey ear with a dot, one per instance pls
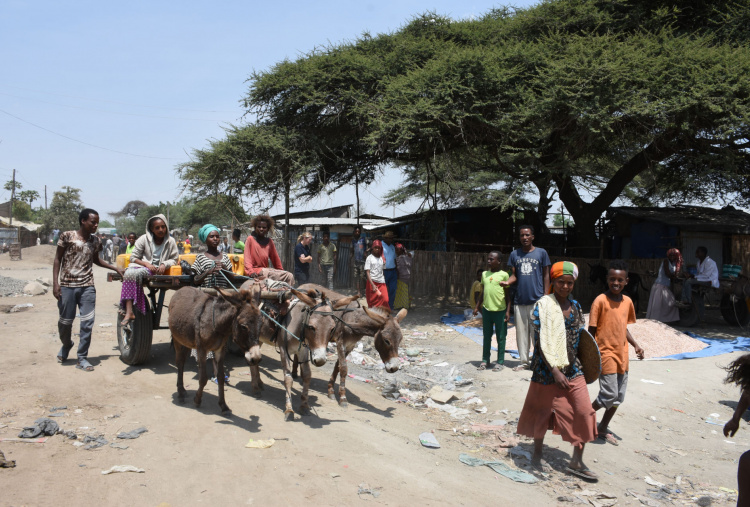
(232, 297)
(401, 315)
(304, 298)
(340, 303)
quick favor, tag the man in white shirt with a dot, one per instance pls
(707, 275)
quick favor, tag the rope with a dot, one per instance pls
(264, 313)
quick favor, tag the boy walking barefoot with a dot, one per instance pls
(558, 397)
(492, 299)
(610, 315)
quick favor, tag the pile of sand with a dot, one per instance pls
(656, 338)
(42, 254)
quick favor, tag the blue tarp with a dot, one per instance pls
(716, 346)
(475, 334)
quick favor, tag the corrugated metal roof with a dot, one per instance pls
(304, 222)
(697, 218)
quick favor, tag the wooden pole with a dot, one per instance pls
(12, 196)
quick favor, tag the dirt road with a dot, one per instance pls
(369, 452)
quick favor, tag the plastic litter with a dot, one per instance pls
(57, 414)
(427, 439)
(260, 444)
(520, 451)
(364, 489)
(94, 441)
(57, 409)
(714, 419)
(123, 468)
(499, 467)
(107, 324)
(361, 379)
(651, 382)
(42, 426)
(132, 434)
(652, 482)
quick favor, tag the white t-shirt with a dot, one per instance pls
(375, 265)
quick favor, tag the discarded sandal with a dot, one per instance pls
(583, 473)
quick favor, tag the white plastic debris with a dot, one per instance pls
(123, 468)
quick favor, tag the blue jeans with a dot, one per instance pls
(83, 299)
(391, 279)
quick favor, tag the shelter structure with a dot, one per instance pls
(24, 233)
(647, 233)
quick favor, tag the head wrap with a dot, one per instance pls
(559, 269)
(399, 247)
(678, 263)
(379, 244)
(205, 231)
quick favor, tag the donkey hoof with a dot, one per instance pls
(197, 402)
(304, 410)
(332, 397)
(289, 416)
(226, 411)
(344, 404)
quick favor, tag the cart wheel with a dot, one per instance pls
(689, 316)
(135, 348)
(735, 310)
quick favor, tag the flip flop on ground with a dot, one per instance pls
(498, 367)
(84, 365)
(482, 366)
(609, 438)
(584, 473)
(521, 367)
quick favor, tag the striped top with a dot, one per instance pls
(203, 264)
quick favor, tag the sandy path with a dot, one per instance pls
(194, 456)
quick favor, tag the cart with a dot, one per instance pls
(732, 298)
(135, 347)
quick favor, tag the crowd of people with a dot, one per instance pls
(537, 292)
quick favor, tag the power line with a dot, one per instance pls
(83, 142)
(106, 111)
(118, 102)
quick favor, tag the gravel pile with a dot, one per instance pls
(11, 286)
(656, 338)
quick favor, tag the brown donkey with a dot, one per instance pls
(202, 321)
(310, 324)
(358, 322)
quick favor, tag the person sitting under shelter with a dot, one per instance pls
(707, 275)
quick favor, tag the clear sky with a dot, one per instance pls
(110, 97)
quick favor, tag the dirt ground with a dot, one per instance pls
(369, 452)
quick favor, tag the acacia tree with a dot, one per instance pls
(592, 100)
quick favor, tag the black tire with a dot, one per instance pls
(689, 316)
(136, 350)
(735, 310)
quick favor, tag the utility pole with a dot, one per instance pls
(12, 196)
(45, 196)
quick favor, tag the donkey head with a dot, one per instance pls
(247, 322)
(317, 324)
(388, 337)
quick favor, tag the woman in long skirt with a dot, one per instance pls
(403, 266)
(662, 303)
(558, 398)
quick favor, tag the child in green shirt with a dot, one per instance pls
(495, 311)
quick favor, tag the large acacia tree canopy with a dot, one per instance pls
(640, 98)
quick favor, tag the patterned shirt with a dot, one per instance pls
(75, 269)
(573, 325)
(201, 264)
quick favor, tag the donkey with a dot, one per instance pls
(204, 322)
(357, 322)
(309, 325)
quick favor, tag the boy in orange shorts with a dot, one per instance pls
(610, 315)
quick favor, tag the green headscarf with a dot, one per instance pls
(205, 231)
